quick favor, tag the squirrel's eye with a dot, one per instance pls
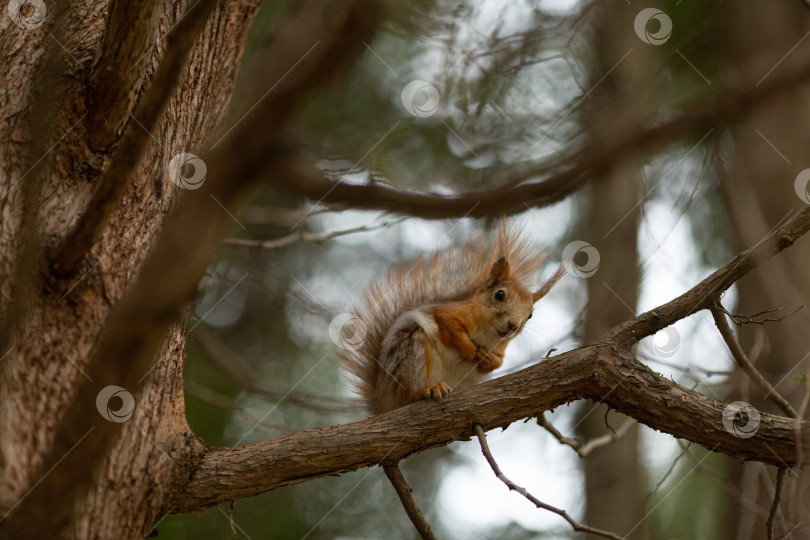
(500, 295)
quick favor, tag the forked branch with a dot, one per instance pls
(576, 525)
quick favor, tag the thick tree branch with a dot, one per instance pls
(408, 502)
(129, 38)
(116, 177)
(594, 372)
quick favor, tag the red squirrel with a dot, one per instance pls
(444, 322)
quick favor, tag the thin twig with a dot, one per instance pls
(576, 444)
(688, 370)
(741, 320)
(577, 526)
(230, 520)
(583, 449)
(277, 243)
(405, 494)
(746, 365)
(684, 451)
(777, 494)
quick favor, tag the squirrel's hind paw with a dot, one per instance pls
(437, 391)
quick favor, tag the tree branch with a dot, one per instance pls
(406, 497)
(594, 372)
(577, 526)
(129, 39)
(703, 294)
(606, 372)
(116, 177)
(305, 236)
(777, 494)
(742, 360)
(301, 178)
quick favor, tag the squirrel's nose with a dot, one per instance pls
(512, 326)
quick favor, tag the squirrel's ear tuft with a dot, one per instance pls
(500, 271)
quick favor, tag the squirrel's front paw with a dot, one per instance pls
(437, 391)
(487, 360)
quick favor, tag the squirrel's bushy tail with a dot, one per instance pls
(446, 275)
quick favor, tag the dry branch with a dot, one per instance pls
(408, 502)
(777, 494)
(577, 526)
(742, 360)
(581, 449)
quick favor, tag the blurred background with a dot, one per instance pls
(474, 96)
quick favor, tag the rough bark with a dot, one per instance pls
(50, 351)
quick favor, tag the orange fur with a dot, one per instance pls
(447, 279)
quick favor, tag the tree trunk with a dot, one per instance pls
(50, 345)
(769, 150)
(613, 480)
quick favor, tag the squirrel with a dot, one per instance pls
(445, 321)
